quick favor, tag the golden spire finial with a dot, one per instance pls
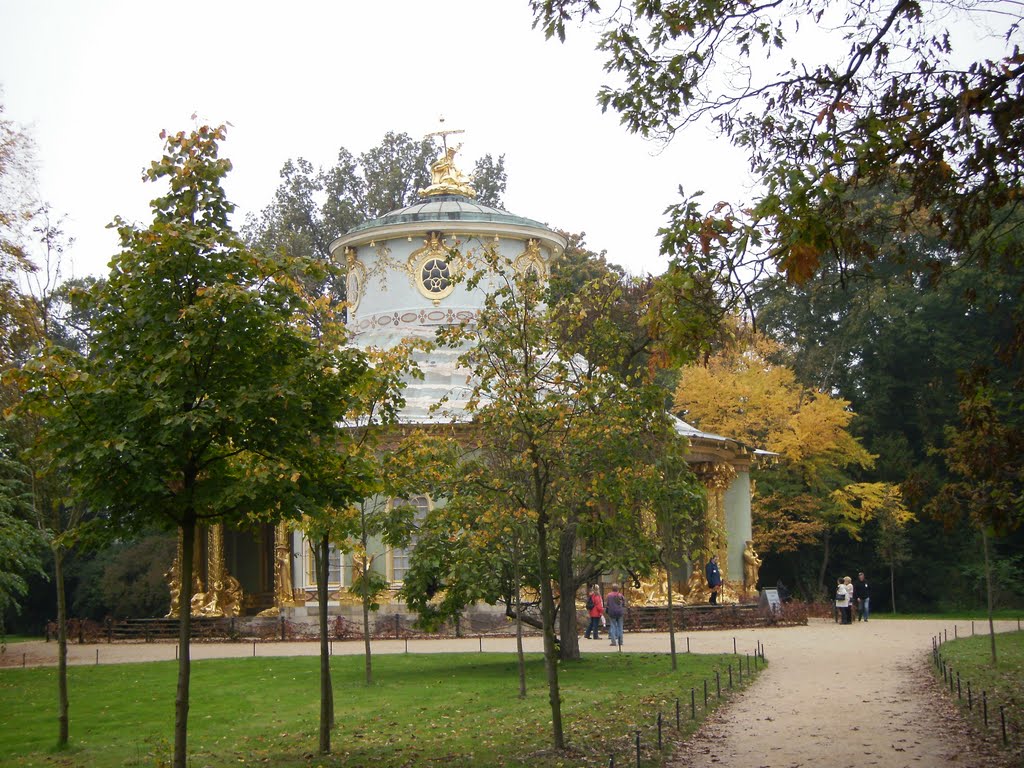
(445, 178)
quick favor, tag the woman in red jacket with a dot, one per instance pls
(595, 610)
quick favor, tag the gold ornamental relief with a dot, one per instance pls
(531, 260)
(355, 282)
(717, 476)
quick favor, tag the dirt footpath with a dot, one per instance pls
(844, 697)
(833, 696)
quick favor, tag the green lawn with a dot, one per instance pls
(978, 616)
(9, 639)
(1002, 684)
(454, 710)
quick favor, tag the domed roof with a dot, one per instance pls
(446, 209)
(448, 205)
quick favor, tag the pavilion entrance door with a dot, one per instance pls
(249, 557)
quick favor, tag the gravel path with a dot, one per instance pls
(844, 697)
(836, 696)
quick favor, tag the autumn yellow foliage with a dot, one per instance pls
(810, 492)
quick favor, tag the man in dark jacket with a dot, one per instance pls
(862, 596)
(714, 578)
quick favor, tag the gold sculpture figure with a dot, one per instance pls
(445, 178)
(173, 577)
(751, 568)
(230, 596)
(198, 596)
(283, 586)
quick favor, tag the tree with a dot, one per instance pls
(312, 206)
(984, 455)
(811, 493)
(561, 438)
(887, 93)
(891, 545)
(20, 542)
(898, 349)
(17, 204)
(345, 473)
(412, 466)
(395, 171)
(475, 548)
(888, 123)
(489, 179)
(895, 349)
(27, 322)
(203, 382)
(677, 499)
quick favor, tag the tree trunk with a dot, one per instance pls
(988, 591)
(364, 538)
(826, 542)
(326, 690)
(567, 627)
(181, 700)
(671, 618)
(366, 630)
(547, 602)
(520, 656)
(892, 586)
(62, 648)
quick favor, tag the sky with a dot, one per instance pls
(95, 82)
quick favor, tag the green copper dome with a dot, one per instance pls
(441, 209)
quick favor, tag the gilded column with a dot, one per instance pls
(716, 478)
(283, 586)
(284, 590)
(214, 554)
(223, 596)
(173, 577)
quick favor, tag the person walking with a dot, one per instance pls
(714, 577)
(595, 610)
(862, 597)
(615, 609)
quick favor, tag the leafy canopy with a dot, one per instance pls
(826, 101)
(203, 383)
(812, 489)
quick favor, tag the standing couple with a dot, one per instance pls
(614, 605)
(850, 594)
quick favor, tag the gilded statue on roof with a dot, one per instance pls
(445, 178)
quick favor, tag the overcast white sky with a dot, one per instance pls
(95, 82)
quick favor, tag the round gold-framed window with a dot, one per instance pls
(436, 278)
(433, 269)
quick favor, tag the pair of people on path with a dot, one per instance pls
(614, 605)
(850, 594)
(844, 599)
